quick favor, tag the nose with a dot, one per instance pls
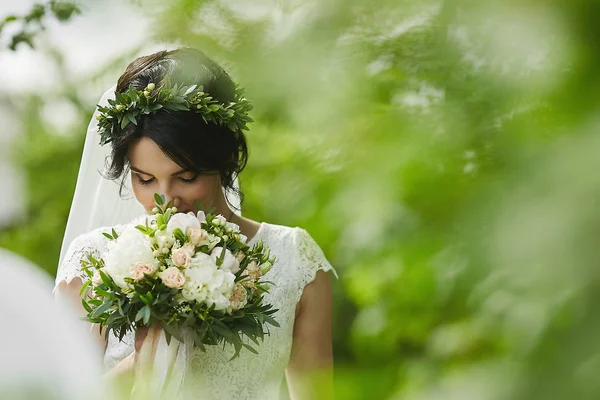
(174, 198)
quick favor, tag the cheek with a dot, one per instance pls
(143, 194)
(204, 190)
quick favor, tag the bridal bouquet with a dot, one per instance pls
(192, 274)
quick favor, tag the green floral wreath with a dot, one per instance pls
(129, 106)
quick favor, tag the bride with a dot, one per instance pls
(178, 154)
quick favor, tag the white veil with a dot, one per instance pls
(97, 201)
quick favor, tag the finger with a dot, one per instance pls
(140, 336)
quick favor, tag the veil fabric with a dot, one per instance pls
(96, 202)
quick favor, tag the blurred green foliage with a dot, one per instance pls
(444, 155)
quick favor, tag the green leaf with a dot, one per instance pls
(147, 314)
(84, 286)
(159, 199)
(172, 330)
(102, 309)
(252, 349)
(86, 306)
(270, 320)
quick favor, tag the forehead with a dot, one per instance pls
(145, 155)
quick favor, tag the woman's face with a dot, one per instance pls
(153, 172)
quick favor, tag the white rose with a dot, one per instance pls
(183, 222)
(123, 254)
(172, 278)
(230, 262)
(140, 270)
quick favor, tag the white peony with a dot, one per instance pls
(145, 220)
(121, 256)
(183, 222)
(206, 283)
(230, 262)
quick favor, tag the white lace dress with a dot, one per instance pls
(249, 376)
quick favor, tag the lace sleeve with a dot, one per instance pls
(79, 248)
(311, 258)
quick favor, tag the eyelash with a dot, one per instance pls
(149, 181)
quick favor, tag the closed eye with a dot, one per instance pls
(188, 180)
(144, 182)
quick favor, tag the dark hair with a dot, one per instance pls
(183, 136)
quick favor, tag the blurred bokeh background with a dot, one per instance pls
(444, 154)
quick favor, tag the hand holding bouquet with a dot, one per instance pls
(192, 274)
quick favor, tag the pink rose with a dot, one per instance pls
(139, 271)
(196, 235)
(172, 278)
(182, 256)
(97, 279)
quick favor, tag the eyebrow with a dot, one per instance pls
(139, 171)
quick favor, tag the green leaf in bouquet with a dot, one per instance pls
(179, 235)
(114, 233)
(168, 215)
(270, 320)
(102, 292)
(147, 315)
(199, 205)
(95, 302)
(172, 330)
(237, 345)
(159, 199)
(102, 309)
(107, 235)
(86, 306)
(84, 286)
(250, 348)
(211, 210)
(221, 256)
(105, 278)
(140, 315)
(222, 330)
